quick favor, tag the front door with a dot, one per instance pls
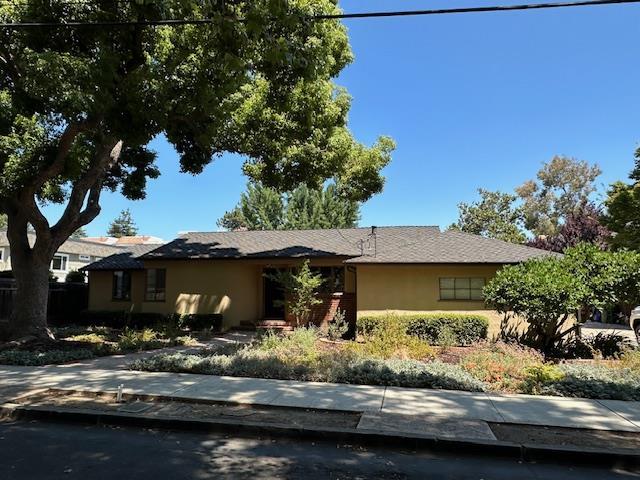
(273, 295)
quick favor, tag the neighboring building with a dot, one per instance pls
(72, 255)
(126, 241)
(366, 271)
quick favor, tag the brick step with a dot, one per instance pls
(274, 324)
(287, 328)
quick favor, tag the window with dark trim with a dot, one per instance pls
(461, 288)
(155, 290)
(121, 285)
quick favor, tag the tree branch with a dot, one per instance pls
(91, 182)
(64, 147)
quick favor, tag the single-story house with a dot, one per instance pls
(72, 254)
(366, 270)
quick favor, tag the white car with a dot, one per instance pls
(634, 322)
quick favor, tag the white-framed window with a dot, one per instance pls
(60, 262)
(85, 258)
(461, 288)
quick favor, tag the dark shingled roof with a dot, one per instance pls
(391, 245)
(450, 246)
(127, 259)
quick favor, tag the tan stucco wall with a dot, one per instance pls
(416, 288)
(226, 287)
(233, 288)
(100, 291)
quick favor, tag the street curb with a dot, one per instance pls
(524, 452)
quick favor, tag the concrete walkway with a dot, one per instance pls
(418, 403)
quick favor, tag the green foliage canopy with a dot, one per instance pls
(623, 210)
(562, 186)
(263, 208)
(546, 291)
(494, 216)
(78, 106)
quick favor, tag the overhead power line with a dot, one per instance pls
(496, 8)
(340, 16)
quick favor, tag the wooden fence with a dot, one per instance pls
(66, 300)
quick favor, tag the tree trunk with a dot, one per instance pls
(29, 316)
(31, 270)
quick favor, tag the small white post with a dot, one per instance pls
(119, 394)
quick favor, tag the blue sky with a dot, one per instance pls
(472, 100)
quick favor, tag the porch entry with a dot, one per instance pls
(273, 295)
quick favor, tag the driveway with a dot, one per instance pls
(590, 329)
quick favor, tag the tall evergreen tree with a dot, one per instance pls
(263, 208)
(123, 225)
(623, 210)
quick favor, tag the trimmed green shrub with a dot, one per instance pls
(74, 276)
(202, 321)
(459, 328)
(139, 320)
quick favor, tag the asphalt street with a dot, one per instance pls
(42, 450)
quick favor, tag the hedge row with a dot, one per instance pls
(460, 328)
(120, 319)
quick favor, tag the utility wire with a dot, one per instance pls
(496, 8)
(204, 21)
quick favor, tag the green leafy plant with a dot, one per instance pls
(338, 327)
(537, 376)
(301, 291)
(549, 292)
(392, 341)
(137, 340)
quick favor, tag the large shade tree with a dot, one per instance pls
(495, 215)
(79, 105)
(562, 186)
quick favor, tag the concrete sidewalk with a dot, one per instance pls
(416, 403)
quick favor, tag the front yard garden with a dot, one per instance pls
(451, 351)
(74, 343)
(386, 354)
